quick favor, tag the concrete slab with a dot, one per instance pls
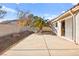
(42, 45)
(54, 42)
(27, 53)
(33, 41)
(64, 52)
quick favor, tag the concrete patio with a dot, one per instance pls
(43, 45)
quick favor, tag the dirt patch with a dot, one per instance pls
(9, 40)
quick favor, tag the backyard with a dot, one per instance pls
(33, 33)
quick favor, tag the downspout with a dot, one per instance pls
(73, 37)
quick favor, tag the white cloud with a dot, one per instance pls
(17, 3)
(8, 9)
(52, 17)
(62, 11)
(49, 16)
(74, 3)
(1, 20)
(11, 14)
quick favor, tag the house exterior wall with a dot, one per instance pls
(69, 28)
(59, 28)
(74, 28)
(77, 28)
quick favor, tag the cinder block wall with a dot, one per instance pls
(6, 29)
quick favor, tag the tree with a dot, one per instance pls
(2, 12)
(39, 23)
(25, 18)
(30, 19)
(21, 14)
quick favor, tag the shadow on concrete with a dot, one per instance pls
(8, 41)
(46, 33)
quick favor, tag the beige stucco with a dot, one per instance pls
(71, 18)
(59, 28)
(68, 28)
(71, 28)
(77, 27)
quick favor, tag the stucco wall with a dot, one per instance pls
(77, 27)
(68, 27)
(6, 29)
(59, 28)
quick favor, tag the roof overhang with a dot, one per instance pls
(74, 10)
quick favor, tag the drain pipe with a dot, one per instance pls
(73, 34)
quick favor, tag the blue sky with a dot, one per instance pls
(47, 10)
